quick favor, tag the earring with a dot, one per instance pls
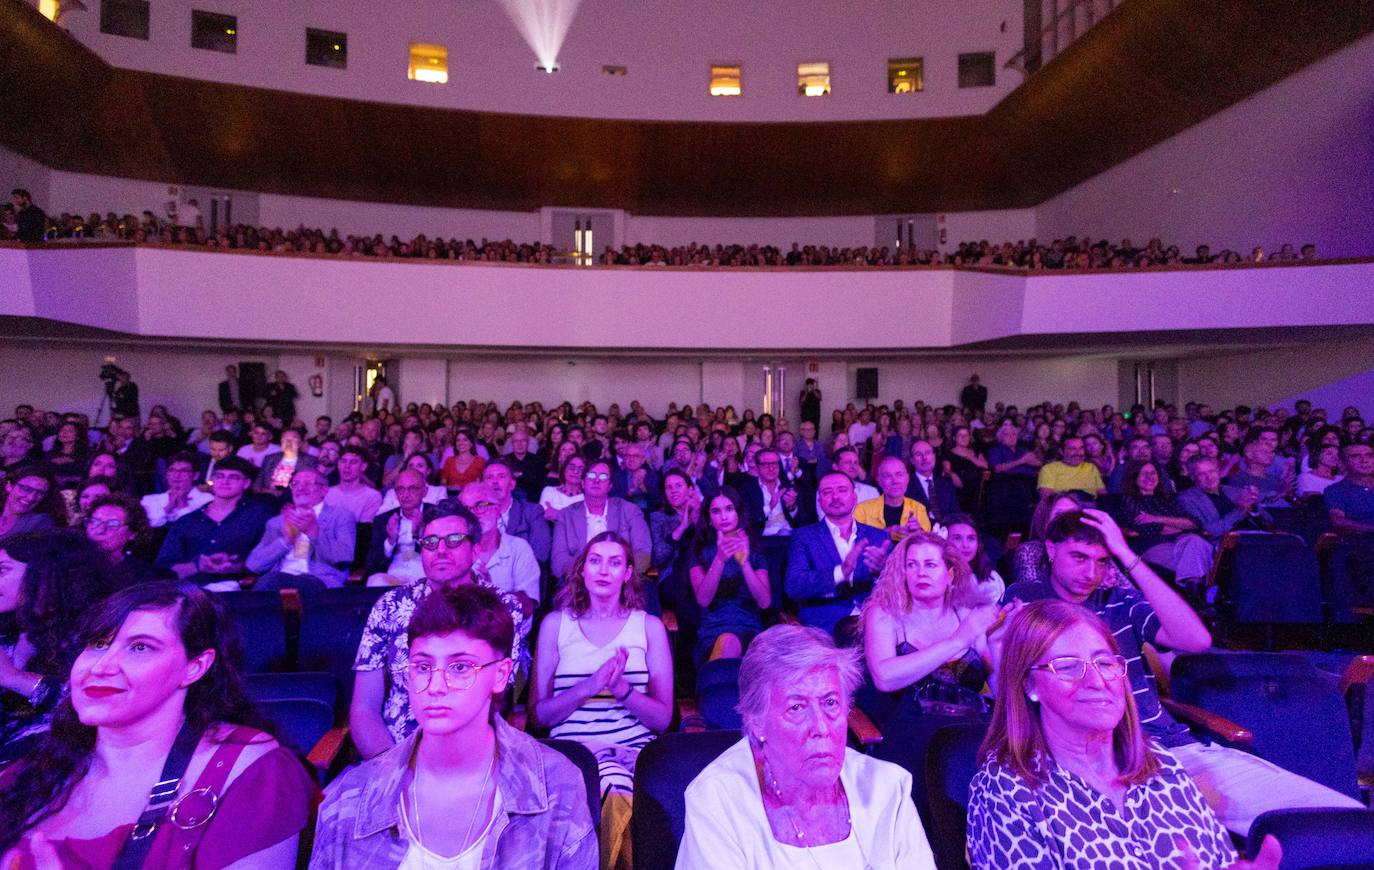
(1035, 699)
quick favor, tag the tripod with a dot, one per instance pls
(104, 403)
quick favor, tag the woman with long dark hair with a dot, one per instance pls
(728, 577)
(155, 696)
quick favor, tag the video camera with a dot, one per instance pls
(109, 373)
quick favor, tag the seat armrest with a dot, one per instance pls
(291, 601)
(1219, 726)
(1358, 673)
(863, 729)
(327, 750)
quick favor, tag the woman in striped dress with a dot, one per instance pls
(604, 673)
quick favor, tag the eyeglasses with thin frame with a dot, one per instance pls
(457, 675)
(30, 490)
(109, 525)
(598, 475)
(1071, 669)
(452, 542)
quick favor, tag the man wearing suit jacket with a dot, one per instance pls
(309, 545)
(833, 563)
(230, 393)
(597, 513)
(393, 558)
(1217, 509)
(523, 519)
(932, 490)
(775, 506)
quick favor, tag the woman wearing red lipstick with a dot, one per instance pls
(154, 697)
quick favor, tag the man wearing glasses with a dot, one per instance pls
(309, 545)
(1081, 546)
(380, 714)
(598, 512)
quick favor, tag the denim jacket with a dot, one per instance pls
(544, 822)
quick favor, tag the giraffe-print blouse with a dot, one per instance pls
(1068, 824)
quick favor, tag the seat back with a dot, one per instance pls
(951, 762)
(591, 774)
(1318, 838)
(718, 694)
(332, 623)
(262, 629)
(315, 685)
(1270, 579)
(300, 722)
(1347, 572)
(662, 773)
(1295, 711)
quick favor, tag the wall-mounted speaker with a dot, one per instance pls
(866, 383)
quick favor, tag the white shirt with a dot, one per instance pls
(513, 568)
(386, 399)
(727, 826)
(297, 559)
(555, 498)
(155, 506)
(249, 452)
(859, 433)
(843, 544)
(405, 557)
(775, 521)
(417, 857)
(596, 523)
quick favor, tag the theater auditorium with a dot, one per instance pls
(609, 435)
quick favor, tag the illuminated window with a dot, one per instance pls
(977, 70)
(48, 9)
(905, 75)
(326, 48)
(813, 79)
(124, 18)
(214, 32)
(584, 254)
(428, 63)
(725, 80)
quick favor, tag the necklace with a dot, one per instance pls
(477, 810)
(774, 788)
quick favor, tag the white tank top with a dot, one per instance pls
(602, 719)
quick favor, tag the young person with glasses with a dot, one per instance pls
(380, 713)
(463, 789)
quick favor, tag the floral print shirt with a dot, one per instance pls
(386, 646)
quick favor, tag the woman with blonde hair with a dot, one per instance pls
(1068, 777)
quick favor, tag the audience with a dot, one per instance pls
(354, 492)
(502, 561)
(988, 585)
(393, 556)
(154, 687)
(181, 496)
(209, 545)
(833, 562)
(1161, 529)
(491, 796)
(790, 793)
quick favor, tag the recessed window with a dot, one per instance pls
(905, 75)
(725, 80)
(326, 48)
(813, 79)
(214, 32)
(977, 70)
(124, 18)
(428, 63)
(614, 70)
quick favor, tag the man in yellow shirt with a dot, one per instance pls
(1074, 471)
(892, 510)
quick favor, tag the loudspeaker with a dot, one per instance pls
(867, 383)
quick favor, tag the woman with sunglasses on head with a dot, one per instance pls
(1068, 777)
(380, 714)
(155, 697)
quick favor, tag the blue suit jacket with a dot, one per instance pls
(811, 575)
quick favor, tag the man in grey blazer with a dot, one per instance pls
(309, 545)
(1217, 509)
(598, 512)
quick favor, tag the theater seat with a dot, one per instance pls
(664, 770)
(718, 693)
(262, 628)
(1267, 579)
(1295, 712)
(951, 762)
(1318, 839)
(591, 774)
(332, 624)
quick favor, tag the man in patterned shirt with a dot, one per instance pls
(1081, 546)
(379, 715)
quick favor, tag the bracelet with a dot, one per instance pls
(1134, 565)
(629, 690)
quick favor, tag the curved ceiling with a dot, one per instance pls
(1147, 71)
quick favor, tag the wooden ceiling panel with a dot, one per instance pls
(1147, 71)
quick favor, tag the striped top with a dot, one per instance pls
(602, 719)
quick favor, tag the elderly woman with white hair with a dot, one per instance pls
(791, 794)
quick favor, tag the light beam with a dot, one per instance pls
(544, 25)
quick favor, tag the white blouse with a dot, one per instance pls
(727, 827)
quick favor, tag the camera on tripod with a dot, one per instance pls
(109, 373)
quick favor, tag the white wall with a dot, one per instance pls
(406, 221)
(994, 225)
(16, 170)
(849, 231)
(1289, 164)
(575, 379)
(1021, 381)
(666, 46)
(421, 380)
(1321, 371)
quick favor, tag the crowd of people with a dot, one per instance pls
(529, 556)
(186, 226)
